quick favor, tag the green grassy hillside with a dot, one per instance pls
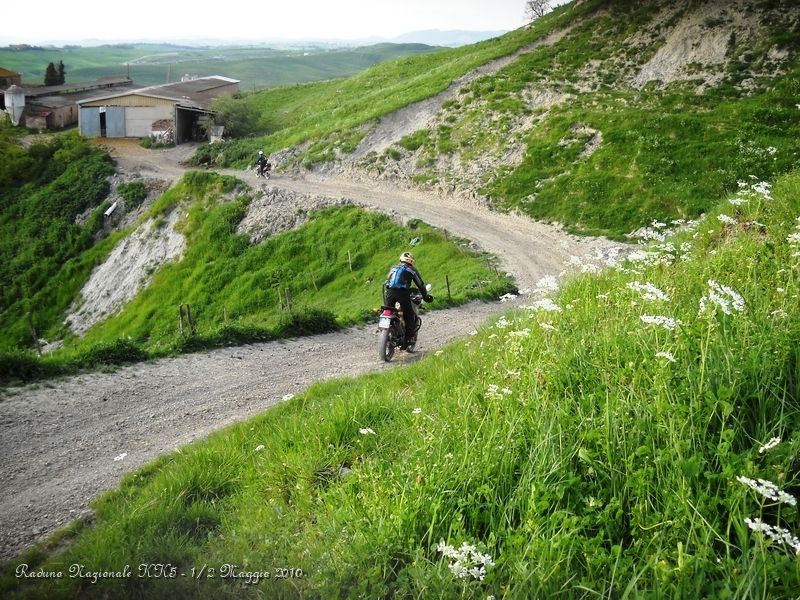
(256, 67)
(634, 435)
(595, 150)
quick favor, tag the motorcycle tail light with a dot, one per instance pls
(387, 312)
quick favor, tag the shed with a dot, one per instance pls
(134, 113)
(55, 106)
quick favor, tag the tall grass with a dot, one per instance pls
(587, 445)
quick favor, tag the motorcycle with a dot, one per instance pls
(392, 327)
(265, 173)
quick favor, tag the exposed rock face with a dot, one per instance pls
(128, 269)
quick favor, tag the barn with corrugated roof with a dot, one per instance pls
(135, 113)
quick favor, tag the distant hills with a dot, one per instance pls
(430, 37)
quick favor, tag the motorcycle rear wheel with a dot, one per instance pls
(386, 345)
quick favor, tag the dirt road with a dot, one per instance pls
(63, 443)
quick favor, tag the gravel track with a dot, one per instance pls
(65, 442)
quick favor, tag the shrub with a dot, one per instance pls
(306, 321)
(117, 352)
(133, 192)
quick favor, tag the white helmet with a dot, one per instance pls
(407, 258)
(260, 152)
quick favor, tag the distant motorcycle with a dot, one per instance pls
(263, 172)
(392, 328)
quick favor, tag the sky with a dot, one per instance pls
(166, 20)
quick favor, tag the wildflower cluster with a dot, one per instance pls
(648, 291)
(466, 561)
(794, 240)
(722, 296)
(776, 534)
(768, 490)
(545, 304)
(665, 322)
(494, 392)
(772, 492)
(769, 445)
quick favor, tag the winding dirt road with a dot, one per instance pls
(65, 442)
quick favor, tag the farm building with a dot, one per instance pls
(9, 78)
(159, 111)
(55, 106)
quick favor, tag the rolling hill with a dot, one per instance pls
(631, 430)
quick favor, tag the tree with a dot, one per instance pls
(61, 73)
(51, 75)
(536, 8)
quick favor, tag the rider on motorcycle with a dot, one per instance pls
(398, 289)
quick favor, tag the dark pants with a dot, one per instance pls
(403, 296)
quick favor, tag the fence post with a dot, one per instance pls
(190, 319)
(447, 279)
(33, 333)
(180, 319)
(288, 299)
(280, 299)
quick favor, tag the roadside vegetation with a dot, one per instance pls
(628, 433)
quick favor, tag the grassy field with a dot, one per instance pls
(257, 67)
(606, 440)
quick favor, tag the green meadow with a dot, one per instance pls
(631, 434)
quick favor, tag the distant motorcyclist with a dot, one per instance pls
(263, 164)
(398, 289)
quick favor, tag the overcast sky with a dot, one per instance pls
(165, 20)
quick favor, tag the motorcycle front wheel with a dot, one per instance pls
(386, 345)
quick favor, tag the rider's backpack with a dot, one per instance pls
(395, 277)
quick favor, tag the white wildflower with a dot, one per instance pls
(772, 150)
(738, 201)
(545, 304)
(548, 326)
(727, 220)
(769, 445)
(523, 333)
(514, 374)
(776, 534)
(416, 411)
(648, 291)
(259, 448)
(366, 431)
(120, 457)
(661, 321)
(666, 355)
(794, 238)
(287, 397)
(546, 284)
(724, 297)
(502, 323)
(768, 490)
(466, 561)
(507, 297)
